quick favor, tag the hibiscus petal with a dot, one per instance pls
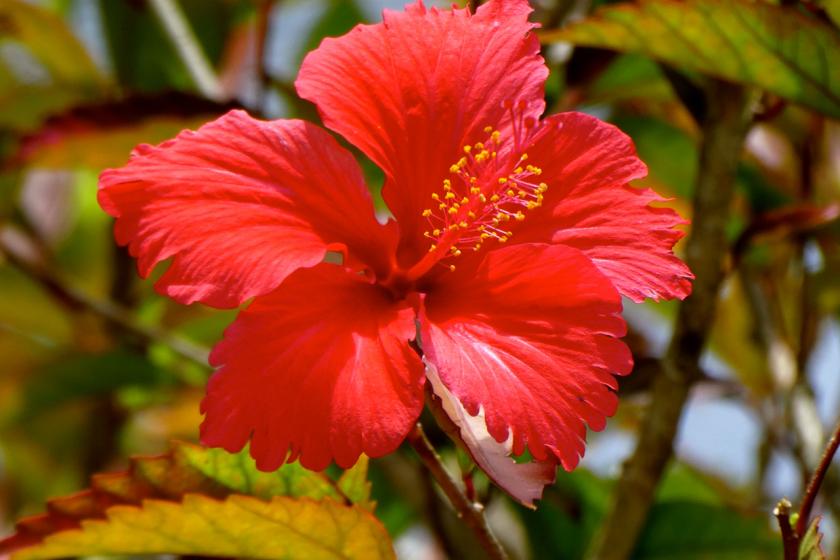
(530, 338)
(323, 381)
(587, 164)
(523, 481)
(411, 91)
(239, 205)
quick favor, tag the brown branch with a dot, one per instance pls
(470, 512)
(790, 542)
(816, 482)
(75, 299)
(724, 129)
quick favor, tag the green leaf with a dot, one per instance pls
(811, 546)
(568, 515)
(76, 377)
(698, 531)
(240, 526)
(775, 48)
(355, 485)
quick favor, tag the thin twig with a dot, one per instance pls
(727, 120)
(73, 298)
(177, 28)
(790, 542)
(816, 482)
(472, 513)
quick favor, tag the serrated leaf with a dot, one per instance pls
(810, 548)
(186, 469)
(775, 48)
(354, 484)
(240, 526)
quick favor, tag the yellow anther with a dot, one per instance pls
(482, 198)
(494, 198)
(435, 196)
(488, 129)
(426, 234)
(502, 180)
(542, 187)
(485, 236)
(454, 169)
(495, 137)
(521, 194)
(453, 227)
(451, 268)
(463, 224)
(479, 146)
(471, 215)
(462, 162)
(427, 212)
(510, 192)
(503, 239)
(465, 200)
(473, 180)
(442, 206)
(453, 211)
(493, 155)
(518, 170)
(524, 157)
(449, 195)
(467, 149)
(436, 232)
(475, 190)
(477, 246)
(432, 248)
(520, 216)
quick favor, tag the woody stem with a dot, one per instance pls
(470, 512)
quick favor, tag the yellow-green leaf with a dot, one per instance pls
(187, 469)
(48, 38)
(775, 48)
(240, 526)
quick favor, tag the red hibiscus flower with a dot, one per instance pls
(511, 243)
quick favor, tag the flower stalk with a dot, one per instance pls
(470, 512)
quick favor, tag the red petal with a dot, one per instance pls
(239, 205)
(587, 164)
(411, 91)
(530, 337)
(318, 370)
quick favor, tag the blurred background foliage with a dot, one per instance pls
(95, 367)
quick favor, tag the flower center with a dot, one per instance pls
(483, 195)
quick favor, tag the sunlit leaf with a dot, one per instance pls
(239, 526)
(186, 469)
(630, 76)
(775, 48)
